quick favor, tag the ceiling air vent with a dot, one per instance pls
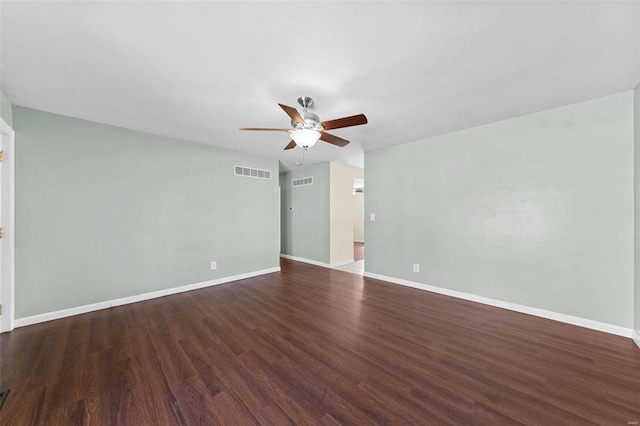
(303, 181)
(252, 173)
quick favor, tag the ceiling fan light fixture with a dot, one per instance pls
(306, 128)
(305, 138)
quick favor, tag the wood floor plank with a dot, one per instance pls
(229, 410)
(174, 362)
(273, 415)
(251, 389)
(201, 362)
(155, 393)
(311, 345)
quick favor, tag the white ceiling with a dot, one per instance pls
(201, 70)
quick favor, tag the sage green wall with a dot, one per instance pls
(305, 229)
(636, 114)
(536, 210)
(5, 109)
(104, 212)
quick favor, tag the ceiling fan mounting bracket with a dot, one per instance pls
(305, 102)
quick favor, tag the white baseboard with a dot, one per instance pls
(582, 322)
(315, 262)
(358, 241)
(305, 260)
(34, 319)
(636, 337)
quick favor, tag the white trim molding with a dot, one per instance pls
(315, 262)
(636, 337)
(569, 319)
(7, 280)
(305, 260)
(22, 322)
(358, 241)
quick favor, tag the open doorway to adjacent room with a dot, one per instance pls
(357, 267)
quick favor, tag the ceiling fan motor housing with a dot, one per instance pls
(311, 122)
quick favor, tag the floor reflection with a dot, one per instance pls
(353, 268)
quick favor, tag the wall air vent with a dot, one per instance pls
(303, 181)
(251, 172)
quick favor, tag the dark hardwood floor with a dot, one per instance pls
(358, 251)
(312, 345)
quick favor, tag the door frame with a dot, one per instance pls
(7, 259)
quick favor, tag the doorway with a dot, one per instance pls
(358, 219)
(357, 267)
(7, 221)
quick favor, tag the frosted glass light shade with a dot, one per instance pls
(305, 138)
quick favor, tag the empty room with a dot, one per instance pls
(319, 212)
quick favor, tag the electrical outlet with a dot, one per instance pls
(416, 267)
(214, 265)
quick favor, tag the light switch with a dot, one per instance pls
(372, 217)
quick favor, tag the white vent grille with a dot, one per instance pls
(251, 172)
(303, 181)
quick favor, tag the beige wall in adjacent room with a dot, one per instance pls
(358, 217)
(341, 211)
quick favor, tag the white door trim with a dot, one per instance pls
(7, 279)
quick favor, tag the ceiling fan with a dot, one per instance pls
(306, 127)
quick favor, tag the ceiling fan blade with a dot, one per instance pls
(293, 113)
(291, 145)
(332, 139)
(354, 120)
(265, 129)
